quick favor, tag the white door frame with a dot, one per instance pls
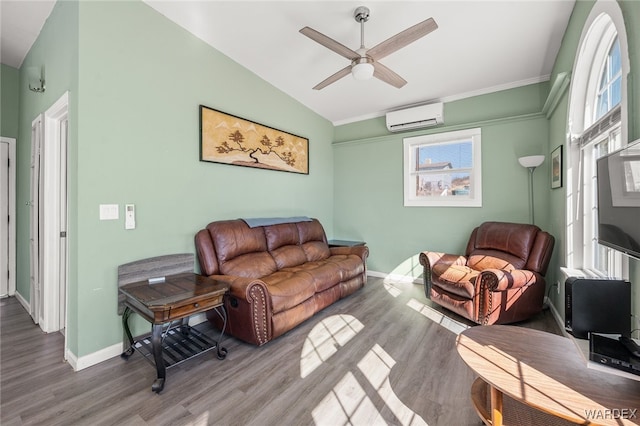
(11, 142)
(54, 277)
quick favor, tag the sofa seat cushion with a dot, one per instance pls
(288, 289)
(456, 279)
(323, 274)
(350, 265)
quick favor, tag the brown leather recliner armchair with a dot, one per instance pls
(499, 280)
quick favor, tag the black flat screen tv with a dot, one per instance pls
(619, 200)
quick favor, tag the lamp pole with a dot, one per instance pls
(531, 162)
(531, 208)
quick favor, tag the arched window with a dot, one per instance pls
(597, 126)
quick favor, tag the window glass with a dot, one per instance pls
(610, 89)
(443, 169)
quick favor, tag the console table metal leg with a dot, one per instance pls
(222, 351)
(129, 339)
(156, 342)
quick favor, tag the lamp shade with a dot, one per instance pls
(531, 160)
(362, 71)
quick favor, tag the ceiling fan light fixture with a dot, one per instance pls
(362, 71)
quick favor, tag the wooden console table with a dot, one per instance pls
(345, 243)
(172, 301)
(545, 372)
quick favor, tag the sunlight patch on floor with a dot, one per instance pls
(396, 285)
(376, 366)
(392, 288)
(325, 339)
(437, 317)
(407, 271)
(349, 404)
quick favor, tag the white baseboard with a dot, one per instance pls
(556, 316)
(23, 302)
(395, 277)
(94, 358)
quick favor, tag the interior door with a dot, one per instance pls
(35, 212)
(4, 219)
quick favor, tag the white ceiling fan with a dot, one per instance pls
(365, 62)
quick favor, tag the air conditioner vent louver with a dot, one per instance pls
(415, 118)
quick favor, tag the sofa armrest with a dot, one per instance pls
(429, 258)
(252, 295)
(361, 251)
(501, 280)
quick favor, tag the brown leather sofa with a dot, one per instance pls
(279, 274)
(499, 280)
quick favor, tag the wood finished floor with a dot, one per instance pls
(377, 357)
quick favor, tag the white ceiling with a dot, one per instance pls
(480, 46)
(20, 24)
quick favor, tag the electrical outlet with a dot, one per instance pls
(558, 286)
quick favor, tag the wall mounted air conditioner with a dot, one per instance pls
(415, 117)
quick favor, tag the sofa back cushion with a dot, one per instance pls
(501, 245)
(283, 242)
(241, 251)
(313, 240)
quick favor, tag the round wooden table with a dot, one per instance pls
(545, 371)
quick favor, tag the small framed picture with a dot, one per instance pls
(556, 168)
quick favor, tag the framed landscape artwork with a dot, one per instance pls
(228, 139)
(556, 168)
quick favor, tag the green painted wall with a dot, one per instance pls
(369, 188)
(9, 101)
(136, 140)
(558, 129)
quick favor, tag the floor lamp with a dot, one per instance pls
(531, 162)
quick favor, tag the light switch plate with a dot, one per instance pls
(109, 212)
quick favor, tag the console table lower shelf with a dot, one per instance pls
(178, 344)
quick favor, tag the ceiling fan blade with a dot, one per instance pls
(330, 43)
(333, 78)
(385, 74)
(402, 39)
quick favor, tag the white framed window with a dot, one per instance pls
(443, 169)
(597, 126)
